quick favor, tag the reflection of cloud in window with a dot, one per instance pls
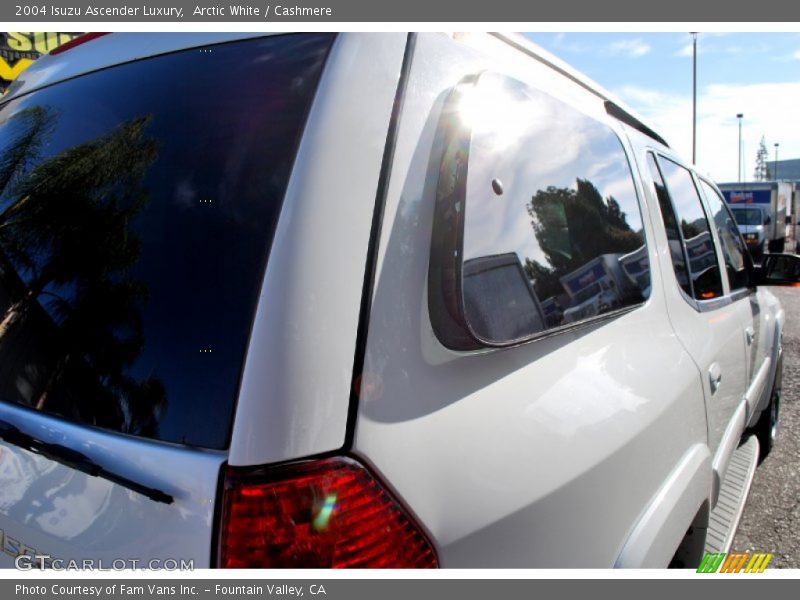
(515, 236)
(185, 194)
(532, 165)
(608, 161)
(528, 165)
(621, 188)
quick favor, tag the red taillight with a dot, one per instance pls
(77, 41)
(329, 513)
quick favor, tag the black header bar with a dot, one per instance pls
(392, 11)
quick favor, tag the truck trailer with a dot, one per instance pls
(760, 210)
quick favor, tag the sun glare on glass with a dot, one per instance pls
(494, 114)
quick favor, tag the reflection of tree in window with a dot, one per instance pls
(27, 131)
(573, 227)
(693, 229)
(66, 247)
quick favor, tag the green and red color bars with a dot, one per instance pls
(734, 562)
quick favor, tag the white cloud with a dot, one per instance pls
(783, 58)
(769, 110)
(710, 43)
(562, 44)
(706, 46)
(686, 51)
(749, 50)
(633, 48)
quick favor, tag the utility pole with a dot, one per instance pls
(739, 116)
(776, 161)
(694, 97)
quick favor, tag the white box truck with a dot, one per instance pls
(760, 210)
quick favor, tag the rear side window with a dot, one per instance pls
(733, 250)
(704, 281)
(676, 249)
(137, 206)
(538, 225)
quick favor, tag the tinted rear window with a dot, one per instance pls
(137, 206)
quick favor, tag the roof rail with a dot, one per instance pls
(621, 114)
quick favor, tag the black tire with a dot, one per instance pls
(766, 428)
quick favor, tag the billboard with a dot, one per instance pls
(18, 50)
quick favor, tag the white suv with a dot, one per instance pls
(365, 300)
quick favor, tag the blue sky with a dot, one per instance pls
(757, 74)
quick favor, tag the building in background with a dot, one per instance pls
(785, 169)
(18, 50)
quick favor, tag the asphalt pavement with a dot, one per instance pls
(771, 520)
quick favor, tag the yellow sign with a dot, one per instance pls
(18, 50)
(9, 73)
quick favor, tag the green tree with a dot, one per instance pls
(762, 169)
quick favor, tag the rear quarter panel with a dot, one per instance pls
(542, 455)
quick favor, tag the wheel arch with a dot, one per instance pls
(676, 506)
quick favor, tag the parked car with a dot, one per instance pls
(366, 300)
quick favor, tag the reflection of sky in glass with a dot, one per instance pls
(549, 199)
(707, 282)
(684, 194)
(555, 148)
(728, 234)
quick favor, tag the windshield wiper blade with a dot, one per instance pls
(76, 460)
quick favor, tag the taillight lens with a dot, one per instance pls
(329, 513)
